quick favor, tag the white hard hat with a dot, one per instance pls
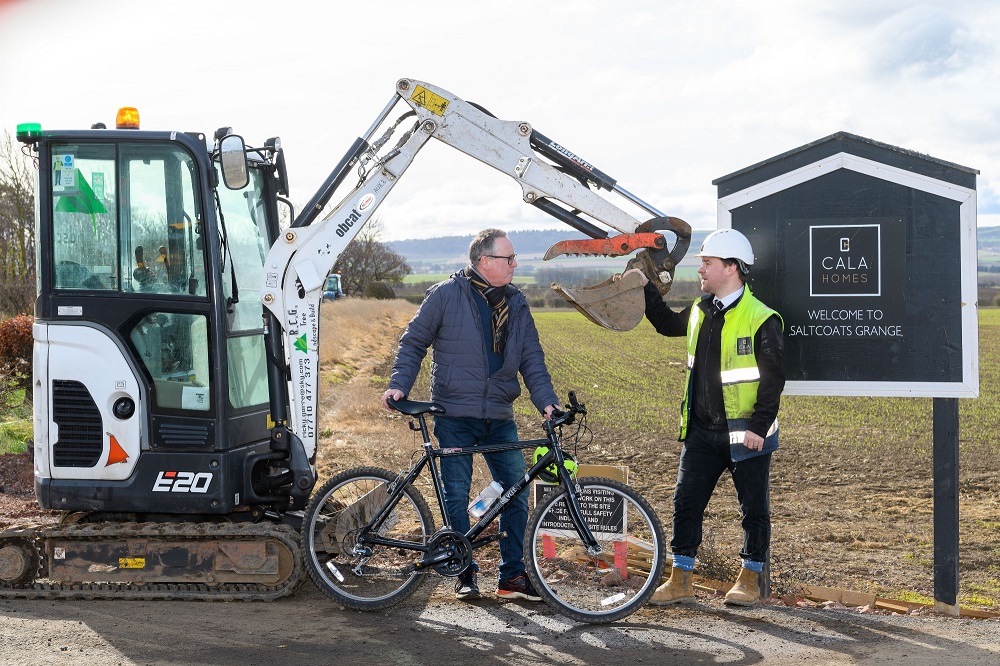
(727, 244)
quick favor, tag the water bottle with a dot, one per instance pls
(485, 499)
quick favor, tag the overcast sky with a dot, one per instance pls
(664, 96)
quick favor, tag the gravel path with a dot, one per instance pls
(433, 628)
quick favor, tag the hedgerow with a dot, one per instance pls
(15, 352)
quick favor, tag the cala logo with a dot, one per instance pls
(366, 201)
(845, 260)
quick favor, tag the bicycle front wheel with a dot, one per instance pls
(354, 573)
(595, 587)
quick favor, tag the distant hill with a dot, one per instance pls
(449, 253)
(988, 239)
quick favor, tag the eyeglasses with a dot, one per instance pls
(510, 259)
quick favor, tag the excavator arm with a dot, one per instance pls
(551, 177)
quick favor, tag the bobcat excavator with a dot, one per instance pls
(176, 358)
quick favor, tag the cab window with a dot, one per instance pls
(85, 217)
(173, 347)
(245, 245)
(145, 236)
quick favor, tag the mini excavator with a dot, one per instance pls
(176, 335)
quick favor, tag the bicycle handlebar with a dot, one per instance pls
(560, 417)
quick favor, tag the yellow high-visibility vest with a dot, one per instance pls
(740, 374)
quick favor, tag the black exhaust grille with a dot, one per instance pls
(81, 440)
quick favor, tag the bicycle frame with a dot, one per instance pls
(429, 458)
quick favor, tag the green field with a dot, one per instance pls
(636, 379)
(425, 277)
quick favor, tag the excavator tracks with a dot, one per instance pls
(151, 561)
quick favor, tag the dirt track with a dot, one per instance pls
(432, 628)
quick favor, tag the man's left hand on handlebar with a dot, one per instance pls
(549, 411)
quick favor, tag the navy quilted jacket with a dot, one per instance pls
(449, 321)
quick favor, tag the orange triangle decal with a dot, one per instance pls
(116, 454)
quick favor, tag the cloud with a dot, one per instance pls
(664, 96)
(923, 41)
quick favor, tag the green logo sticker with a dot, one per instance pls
(301, 344)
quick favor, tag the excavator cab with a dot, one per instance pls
(150, 374)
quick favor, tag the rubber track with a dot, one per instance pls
(157, 591)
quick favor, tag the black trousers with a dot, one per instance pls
(704, 458)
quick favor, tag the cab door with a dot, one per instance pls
(124, 315)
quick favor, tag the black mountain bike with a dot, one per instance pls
(593, 548)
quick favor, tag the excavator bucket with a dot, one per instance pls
(618, 303)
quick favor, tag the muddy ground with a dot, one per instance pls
(842, 518)
(847, 523)
(434, 628)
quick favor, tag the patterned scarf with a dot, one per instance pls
(496, 297)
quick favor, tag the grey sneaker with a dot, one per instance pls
(466, 586)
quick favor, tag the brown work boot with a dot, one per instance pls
(746, 591)
(679, 588)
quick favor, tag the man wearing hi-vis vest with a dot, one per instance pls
(735, 375)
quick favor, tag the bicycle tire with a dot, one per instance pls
(339, 508)
(604, 588)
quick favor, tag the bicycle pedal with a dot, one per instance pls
(488, 539)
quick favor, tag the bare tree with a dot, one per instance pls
(17, 229)
(367, 259)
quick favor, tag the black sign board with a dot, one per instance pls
(870, 265)
(605, 513)
(869, 252)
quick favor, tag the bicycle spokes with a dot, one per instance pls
(345, 556)
(597, 584)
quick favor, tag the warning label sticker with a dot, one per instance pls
(432, 102)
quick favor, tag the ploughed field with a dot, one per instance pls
(851, 486)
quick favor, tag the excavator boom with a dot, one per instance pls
(552, 178)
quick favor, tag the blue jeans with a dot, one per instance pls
(704, 458)
(505, 466)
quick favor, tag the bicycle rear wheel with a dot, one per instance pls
(357, 575)
(587, 587)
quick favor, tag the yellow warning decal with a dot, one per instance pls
(432, 102)
(131, 562)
